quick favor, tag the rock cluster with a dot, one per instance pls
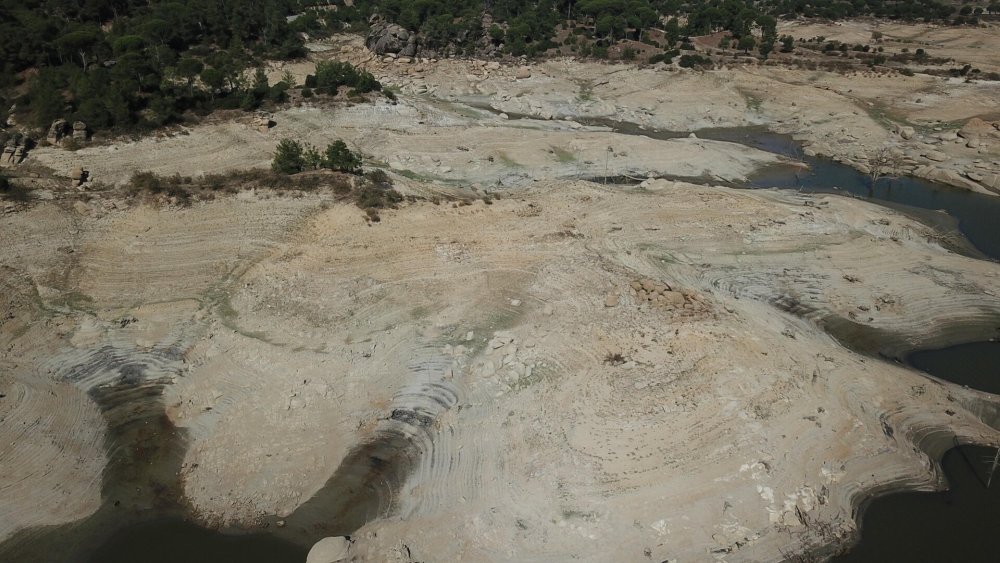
(388, 38)
(978, 132)
(263, 122)
(78, 176)
(15, 149)
(513, 362)
(657, 293)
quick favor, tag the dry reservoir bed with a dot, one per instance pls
(584, 371)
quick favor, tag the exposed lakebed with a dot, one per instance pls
(155, 526)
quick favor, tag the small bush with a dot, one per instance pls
(379, 178)
(692, 61)
(307, 93)
(146, 182)
(372, 197)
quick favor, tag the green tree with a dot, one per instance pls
(214, 79)
(80, 43)
(747, 42)
(769, 34)
(787, 43)
(339, 157)
(190, 68)
(289, 157)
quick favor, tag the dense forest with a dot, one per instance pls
(138, 64)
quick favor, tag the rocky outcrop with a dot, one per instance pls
(388, 38)
(978, 133)
(56, 131)
(79, 131)
(263, 122)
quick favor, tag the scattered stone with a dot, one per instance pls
(906, 132)
(523, 73)
(611, 300)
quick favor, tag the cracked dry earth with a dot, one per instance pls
(550, 410)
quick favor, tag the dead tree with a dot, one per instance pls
(881, 162)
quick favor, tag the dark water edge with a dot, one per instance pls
(143, 516)
(175, 540)
(975, 213)
(975, 365)
(959, 524)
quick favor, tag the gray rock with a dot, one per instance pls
(385, 38)
(329, 550)
(79, 131)
(906, 132)
(56, 131)
(936, 156)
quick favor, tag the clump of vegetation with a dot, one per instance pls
(331, 75)
(292, 157)
(695, 61)
(664, 57)
(614, 358)
(11, 191)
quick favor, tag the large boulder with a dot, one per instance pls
(978, 132)
(330, 550)
(388, 38)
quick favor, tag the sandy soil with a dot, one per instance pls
(565, 415)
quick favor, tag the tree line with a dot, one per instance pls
(527, 27)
